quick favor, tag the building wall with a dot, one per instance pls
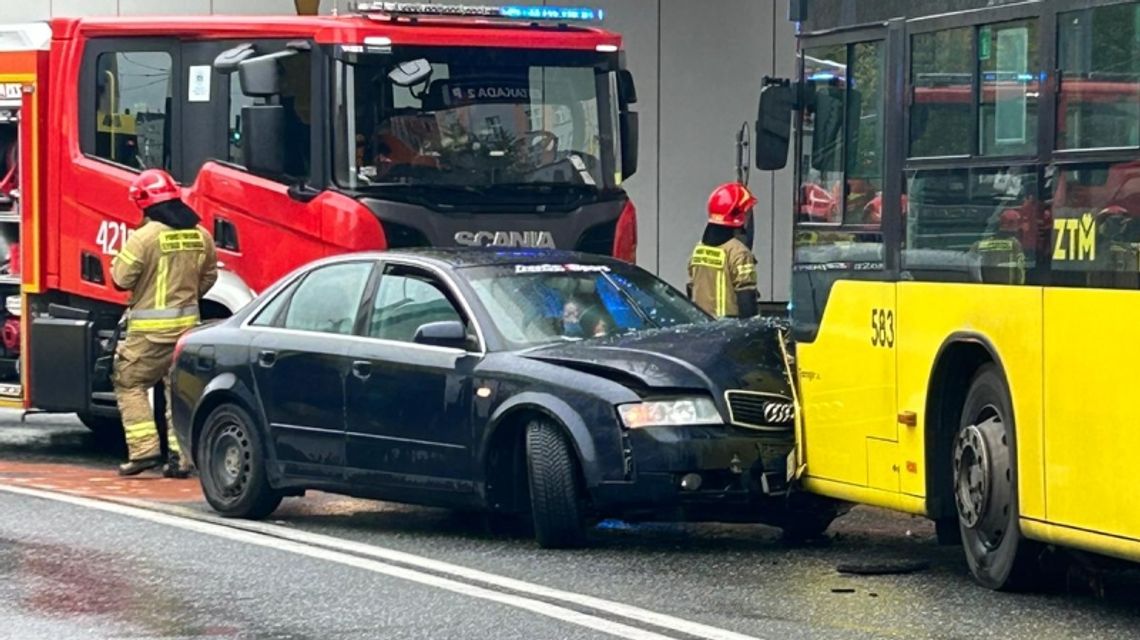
(698, 65)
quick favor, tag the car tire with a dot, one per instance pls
(231, 465)
(556, 498)
(985, 487)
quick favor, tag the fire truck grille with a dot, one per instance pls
(757, 410)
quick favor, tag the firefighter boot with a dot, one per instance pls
(176, 467)
(135, 467)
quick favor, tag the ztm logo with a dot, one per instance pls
(1075, 239)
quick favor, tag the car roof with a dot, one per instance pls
(464, 257)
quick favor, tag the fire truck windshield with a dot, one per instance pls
(498, 123)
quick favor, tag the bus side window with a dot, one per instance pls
(941, 74)
(1099, 57)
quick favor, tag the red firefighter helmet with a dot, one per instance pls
(153, 186)
(1010, 221)
(729, 205)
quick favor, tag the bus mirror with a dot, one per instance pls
(411, 73)
(627, 90)
(774, 126)
(263, 139)
(630, 133)
(261, 76)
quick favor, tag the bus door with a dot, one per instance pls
(843, 301)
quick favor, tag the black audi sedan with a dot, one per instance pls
(549, 387)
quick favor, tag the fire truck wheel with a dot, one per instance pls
(985, 487)
(556, 497)
(232, 465)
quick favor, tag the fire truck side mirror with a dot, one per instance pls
(774, 125)
(630, 133)
(411, 73)
(629, 122)
(263, 139)
(228, 60)
(626, 87)
(261, 76)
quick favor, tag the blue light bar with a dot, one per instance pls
(562, 14)
(512, 12)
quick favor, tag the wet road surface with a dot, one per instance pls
(74, 571)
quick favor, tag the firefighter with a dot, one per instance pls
(168, 263)
(1000, 256)
(722, 269)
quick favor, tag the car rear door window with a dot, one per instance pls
(328, 299)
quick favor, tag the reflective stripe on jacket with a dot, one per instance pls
(166, 270)
(716, 274)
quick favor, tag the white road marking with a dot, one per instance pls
(617, 609)
(348, 553)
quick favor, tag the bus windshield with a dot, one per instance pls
(493, 122)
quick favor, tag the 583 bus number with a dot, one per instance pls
(882, 328)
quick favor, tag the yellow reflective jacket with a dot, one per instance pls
(716, 274)
(1001, 260)
(167, 271)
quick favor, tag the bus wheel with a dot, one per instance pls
(985, 486)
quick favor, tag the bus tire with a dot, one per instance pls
(556, 497)
(232, 466)
(985, 486)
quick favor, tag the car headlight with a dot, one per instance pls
(664, 413)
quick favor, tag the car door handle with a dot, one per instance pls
(267, 358)
(362, 369)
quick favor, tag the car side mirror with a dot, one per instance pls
(449, 333)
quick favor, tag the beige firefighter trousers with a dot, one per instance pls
(140, 364)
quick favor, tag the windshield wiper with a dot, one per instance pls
(545, 186)
(427, 186)
(563, 193)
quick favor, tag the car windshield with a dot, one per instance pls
(495, 124)
(533, 304)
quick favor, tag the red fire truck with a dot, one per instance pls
(396, 125)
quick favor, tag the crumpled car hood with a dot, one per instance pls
(729, 354)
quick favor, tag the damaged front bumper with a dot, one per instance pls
(712, 473)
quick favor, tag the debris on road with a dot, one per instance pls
(883, 567)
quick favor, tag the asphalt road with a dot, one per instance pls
(331, 567)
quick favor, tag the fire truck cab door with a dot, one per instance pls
(129, 113)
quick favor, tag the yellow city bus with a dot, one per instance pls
(965, 310)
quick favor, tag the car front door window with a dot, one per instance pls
(407, 300)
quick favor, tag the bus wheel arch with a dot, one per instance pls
(959, 359)
(971, 448)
